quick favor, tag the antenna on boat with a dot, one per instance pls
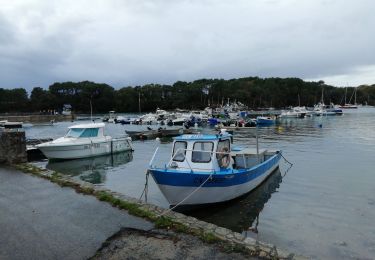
(91, 108)
(256, 137)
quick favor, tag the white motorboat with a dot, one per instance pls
(7, 124)
(84, 140)
(295, 112)
(111, 118)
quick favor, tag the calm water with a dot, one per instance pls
(324, 207)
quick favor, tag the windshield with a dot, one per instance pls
(82, 132)
(179, 151)
(223, 147)
(202, 152)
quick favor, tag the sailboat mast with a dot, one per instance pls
(299, 101)
(139, 101)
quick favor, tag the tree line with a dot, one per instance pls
(254, 92)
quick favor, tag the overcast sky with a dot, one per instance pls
(134, 42)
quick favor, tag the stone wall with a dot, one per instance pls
(12, 146)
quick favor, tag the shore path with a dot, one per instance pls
(41, 220)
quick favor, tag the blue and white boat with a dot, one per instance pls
(265, 120)
(205, 169)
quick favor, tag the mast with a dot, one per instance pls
(139, 101)
(299, 101)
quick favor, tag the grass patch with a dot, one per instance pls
(209, 237)
(132, 208)
(229, 248)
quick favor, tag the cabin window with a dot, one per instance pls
(179, 151)
(202, 152)
(83, 132)
(90, 132)
(222, 147)
(75, 132)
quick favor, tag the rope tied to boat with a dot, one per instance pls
(188, 196)
(290, 165)
(145, 189)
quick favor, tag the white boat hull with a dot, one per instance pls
(208, 195)
(85, 149)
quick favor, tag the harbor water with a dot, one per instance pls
(323, 207)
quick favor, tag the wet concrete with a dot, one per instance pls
(160, 244)
(41, 220)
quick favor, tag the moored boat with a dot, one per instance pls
(265, 120)
(84, 140)
(170, 132)
(205, 169)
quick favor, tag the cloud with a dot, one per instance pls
(136, 42)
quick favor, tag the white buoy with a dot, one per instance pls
(157, 139)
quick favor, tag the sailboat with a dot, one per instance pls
(349, 105)
(326, 110)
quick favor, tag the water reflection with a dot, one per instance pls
(92, 169)
(239, 215)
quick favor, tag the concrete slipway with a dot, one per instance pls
(41, 220)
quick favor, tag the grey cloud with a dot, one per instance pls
(137, 42)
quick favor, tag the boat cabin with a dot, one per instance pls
(207, 153)
(86, 131)
(201, 152)
(67, 109)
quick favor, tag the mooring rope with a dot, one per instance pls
(145, 190)
(286, 159)
(175, 206)
(290, 165)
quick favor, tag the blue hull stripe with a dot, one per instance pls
(228, 178)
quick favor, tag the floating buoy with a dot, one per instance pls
(320, 125)
(157, 139)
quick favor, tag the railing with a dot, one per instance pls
(183, 151)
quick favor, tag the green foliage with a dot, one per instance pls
(13, 100)
(252, 91)
(209, 238)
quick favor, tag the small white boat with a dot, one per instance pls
(84, 140)
(111, 118)
(295, 112)
(7, 124)
(205, 169)
(67, 110)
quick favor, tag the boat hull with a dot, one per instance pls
(265, 121)
(177, 186)
(83, 150)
